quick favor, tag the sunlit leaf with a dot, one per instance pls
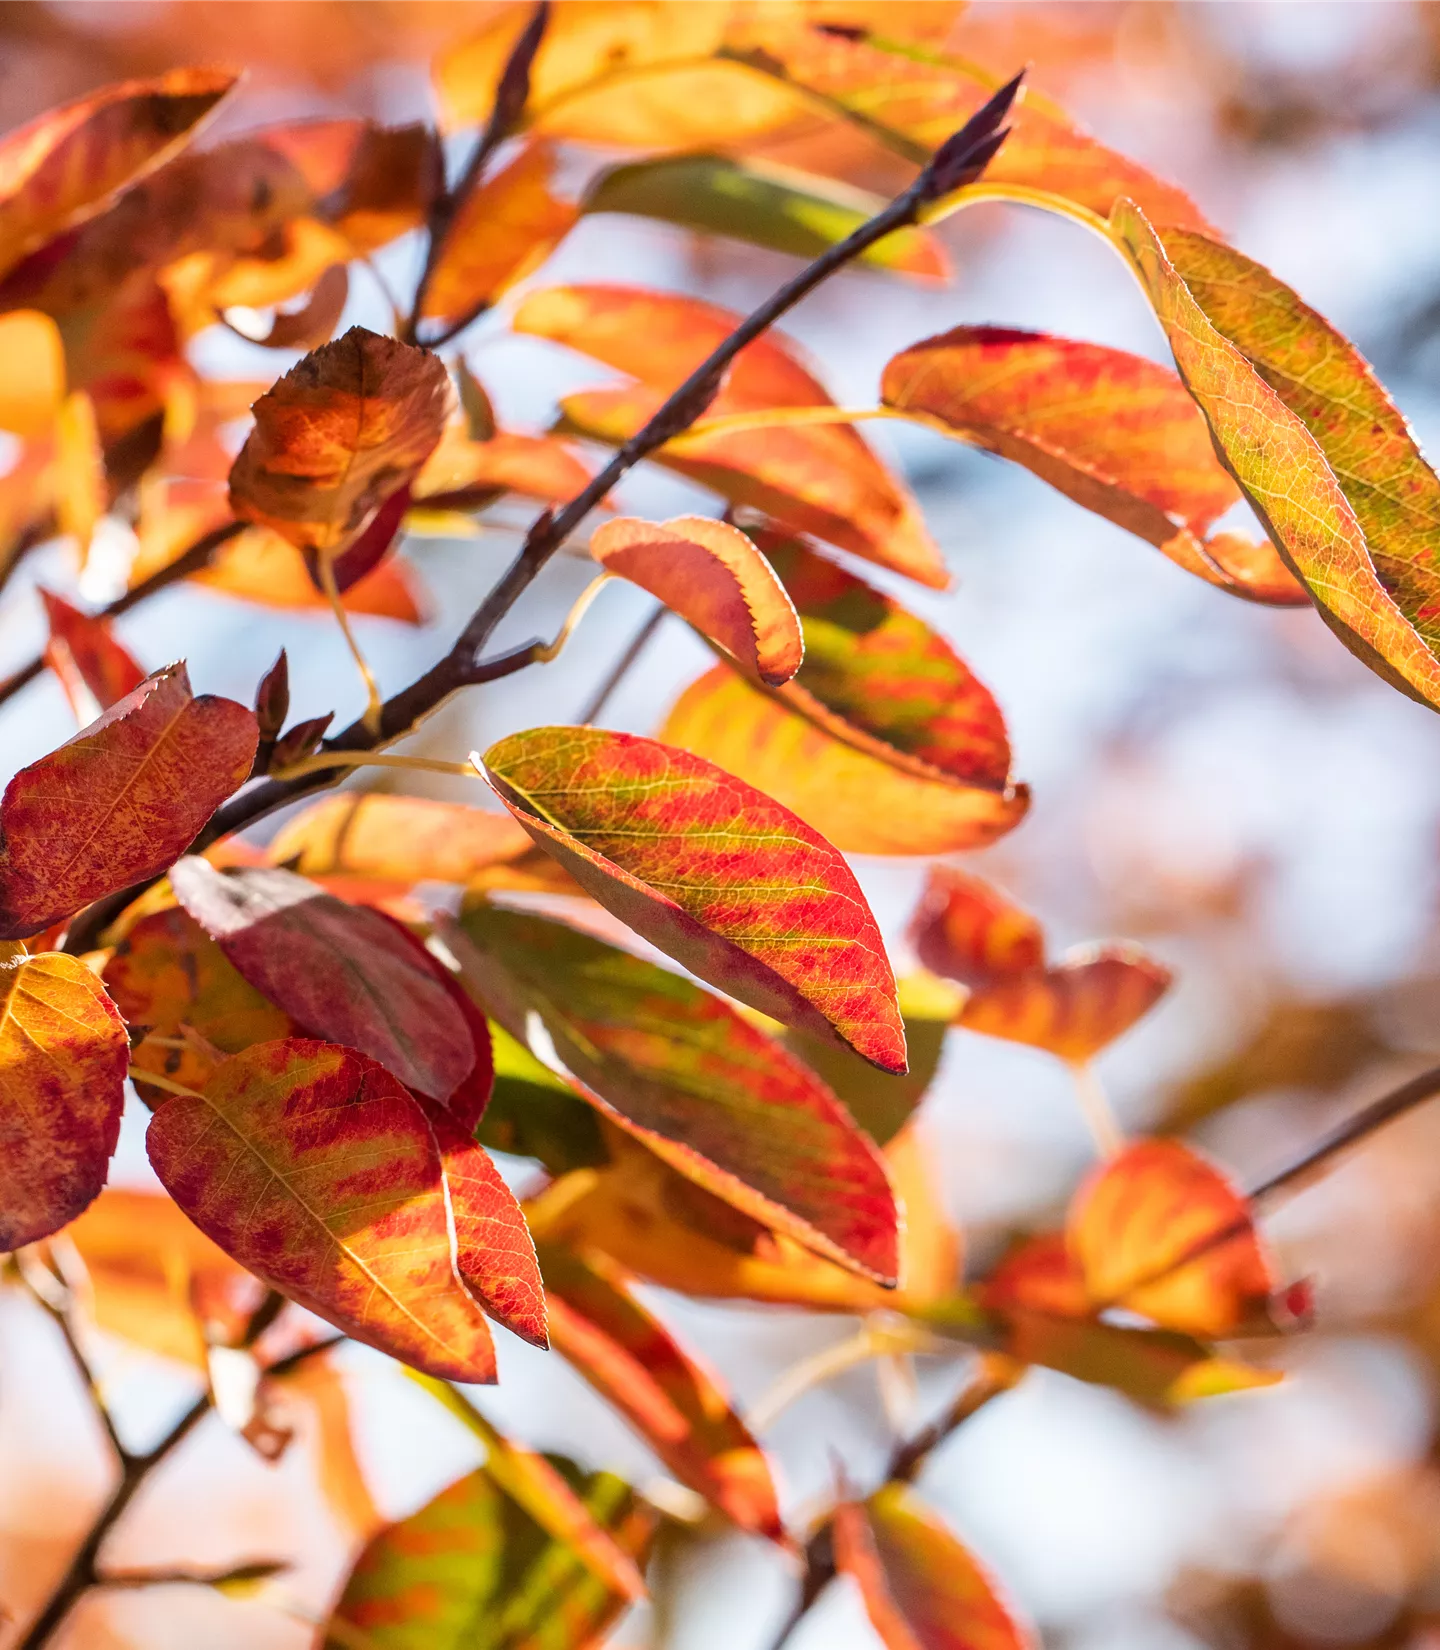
(711, 574)
(63, 1055)
(80, 492)
(505, 229)
(317, 1170)
(1113, 431)
(94, 667)
(340, 971)
(821, 478)
(260, 566)
(884, 741)
(68, 163)
(34, 383)
(923, 1590)
(407, 838)
(120, 801)
(1303, 425)
(314, 322)
(685, 1074)
(676, 1405)
(715, 874)
(770, 206)
(464, 473)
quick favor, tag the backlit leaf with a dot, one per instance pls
(686, 1075)
(340, 971)
(711, 574)
(120, 801)
(1290, 451)
(715, 874)
(463, 473)
(34, 383)
(770, 206)
(63, 1056)
(822, 478)
(922, 1589)
(94, 667)
(68, 163)
(314, 322)
(503, 231)
(676, 1405)
(342, 431)
(260, 566)
(884, 741)
(318, 1171)
(1113, 431)
(968, 930)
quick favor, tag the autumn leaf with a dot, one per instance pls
(313, 323)
(712, 575)
(676, 1405)
(94, 667)
(63, 1057)
(260, 566)
(715, 874)
(767, 205)
(1301, 449)
(503, 231)
(922, 1589)
(120, 801)
(969, 931)
(315, 1169)
(465, 473)
(884, 741)
(473, 1554)
(820, 478)
(34, 384)
(686, 1075)
(68, 163)
(1113, 431)
(340, 433)
(341, 971)
(535, 1113)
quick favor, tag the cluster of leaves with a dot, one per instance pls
(330, 1065)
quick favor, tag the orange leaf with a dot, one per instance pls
(405, 838)
(463, 473)
(120, 801)
(884, 741)
(1139, 1215)
(34, 382)
(822, 479)
(715, 874)
(94, 668)
(259, 566)
(712, 575)
(342, 431)
(314, 322)
(317, 1171)
(343, 972)
(922, 1589)
(684, 1074)
(503, 231)
(68, 163)
(63, 1056)
(676, 1405)
(1113, 431)
(967, 929)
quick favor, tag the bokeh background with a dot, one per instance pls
(1224, 783)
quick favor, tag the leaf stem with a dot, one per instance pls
(324, 760)
(1096, 1109)
(545, 652)
(374, 699)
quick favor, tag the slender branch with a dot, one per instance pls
(59, 1312)
(618, 671)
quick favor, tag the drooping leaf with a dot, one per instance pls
(34, 383)
(1113, 431)
(166, 974)
(686, 1075)
(1302, 425)
(473, 1555)
(715, 874)
(314, 322)
(969, 931)
(676, 1405)
(465, 473)
(340, 971)
(923, 1590)
(504, 229)
(340, 433)
(884, 741)
(120, 801)
(711, 574)
(767, 205)
(68, 164)
(94, 667)
(63, 1057)
(821, 478)
(1138, 1217)
(318, 1171)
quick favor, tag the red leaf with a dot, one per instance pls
(63, 1057)
(94, 668)
(315, 1169)
(339, 970)
(715, 874)
(120, 801)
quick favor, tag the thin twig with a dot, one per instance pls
(619, 670)
(59, 1313)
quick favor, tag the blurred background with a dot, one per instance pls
(1223, 783)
